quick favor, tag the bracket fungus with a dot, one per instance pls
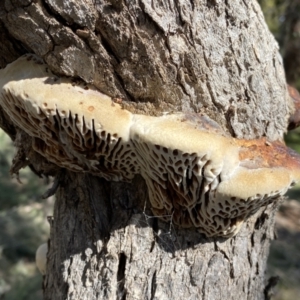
(194, 171)
(41, 258)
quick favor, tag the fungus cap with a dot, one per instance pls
(206, 179)
(194, 171)
(41, 258)
(74, 125)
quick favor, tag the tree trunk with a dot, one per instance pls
(214, 57)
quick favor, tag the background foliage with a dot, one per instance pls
(23, 225)
(283, 19)
(23, 228)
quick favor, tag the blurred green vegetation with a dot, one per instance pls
(24, 193)
(284, 261)
(282, 17)
(274, 12)
(23, 225)
(293, 140)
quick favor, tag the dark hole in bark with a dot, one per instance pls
(260, 221)
(153, 285)
(121, 277)
(155, 231)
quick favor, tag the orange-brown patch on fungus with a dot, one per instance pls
(261, 153)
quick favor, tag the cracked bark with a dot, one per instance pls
(215, 57)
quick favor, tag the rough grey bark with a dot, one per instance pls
(215, 57)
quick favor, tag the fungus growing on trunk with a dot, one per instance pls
(73, 125)
(194, 171)
(41, 258)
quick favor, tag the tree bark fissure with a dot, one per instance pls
(202, 266)
(214, 57)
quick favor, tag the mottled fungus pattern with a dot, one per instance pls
(194, 171)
